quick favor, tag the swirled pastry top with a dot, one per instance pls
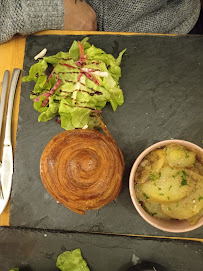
(82, 169)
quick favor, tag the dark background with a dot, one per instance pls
(33, 250)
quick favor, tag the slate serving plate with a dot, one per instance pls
(162, 85)
(38, 250)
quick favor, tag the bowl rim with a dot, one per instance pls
(147, 217)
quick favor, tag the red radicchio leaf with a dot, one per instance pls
(38, 98)
(91, 77)
(46, 100)
(67, 65)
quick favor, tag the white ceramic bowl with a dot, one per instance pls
(171, 225)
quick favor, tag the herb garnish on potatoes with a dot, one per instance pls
(169, 184)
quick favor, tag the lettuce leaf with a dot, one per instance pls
(72, 261)
(50, 112)
(81, 92)
(36, 71)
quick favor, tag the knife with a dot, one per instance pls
(6, 171)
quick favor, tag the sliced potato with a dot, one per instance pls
(172, 185)
(196, 177)
(187, 207)
(151, 163)
(193, 220)
(197, 167)
(152, 208)
(155, 210)
(179, 157)
(139, 194)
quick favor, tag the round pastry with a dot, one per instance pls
(82, 169)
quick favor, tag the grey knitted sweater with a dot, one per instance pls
(146, 16)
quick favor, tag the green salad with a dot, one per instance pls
(76, 85)
(72, 261)
(69, 261)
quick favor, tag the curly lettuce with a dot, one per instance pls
(75, 85)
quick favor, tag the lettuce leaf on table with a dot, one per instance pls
(72, 261)
(79, 85)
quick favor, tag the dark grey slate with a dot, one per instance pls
(162, 85)
(38, 250)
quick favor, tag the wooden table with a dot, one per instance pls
(12, 56)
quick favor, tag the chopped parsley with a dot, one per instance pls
(186, 154)
(152, 176)
(169, 187)
(184, 182)
(165, 149)
(200, 198)
(184, 178)
(177, 204)
(168, 198)
(184, 173)
(169, 208)
(161, 194)
(174, 176)
(159, 188)
(144, 194)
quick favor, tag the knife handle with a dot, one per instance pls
(14, 82)
(3, 96)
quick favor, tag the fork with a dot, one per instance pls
(2, 105)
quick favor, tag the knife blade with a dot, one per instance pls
(7, 159)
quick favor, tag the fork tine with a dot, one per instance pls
(3, 96)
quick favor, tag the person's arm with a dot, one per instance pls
(30, 16)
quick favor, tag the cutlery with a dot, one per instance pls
(6, 167)
(2, 105)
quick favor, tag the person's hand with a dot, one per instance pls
(79, 16)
